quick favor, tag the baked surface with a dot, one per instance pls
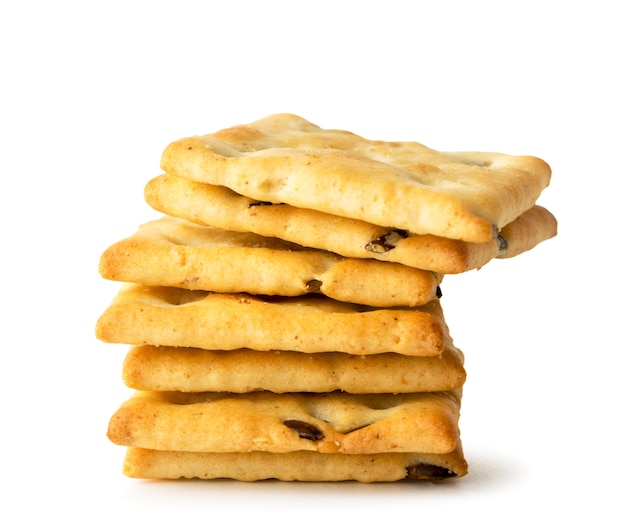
(165, 368)
(168, 316)
(262, 421)
(405, 185)
(177, 253)
(217, 206)
(299, 465)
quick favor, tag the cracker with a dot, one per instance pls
(405, 185)
(175, 252)
(165, 368)
(306, 466)
(217, 206)
(177, 317)
(262, 421)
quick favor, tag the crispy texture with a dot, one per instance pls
(306, 466)
(178, 253)
(165, 368)
(221, 207)
(262, 421)
(175, 317)
(286, 159)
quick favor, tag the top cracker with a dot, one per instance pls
(405, 185)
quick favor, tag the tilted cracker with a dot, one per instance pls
(405, 185)
(306, 466)
(263, 421)
(178, 253)
(169, 316)
(221, 207)
(166, 368)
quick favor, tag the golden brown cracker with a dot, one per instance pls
(262, 421)
(306, 466)
(165, 368)
(175, 252)
(310, 324)
(221, 207)
(405, 185)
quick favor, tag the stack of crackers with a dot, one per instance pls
(284, 314)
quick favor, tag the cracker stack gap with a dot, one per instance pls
(284, 314)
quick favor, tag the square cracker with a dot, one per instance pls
(262, 421)
(217, 206)
(285, 159)
(165, 368)
(306, 466)
(175, 252)
(313, 323)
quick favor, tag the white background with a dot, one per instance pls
(91, 93)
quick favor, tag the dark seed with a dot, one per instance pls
(313, 285)
(502, 243)
(439, 293)
(428, 472)
(386, 242)
(304, 429)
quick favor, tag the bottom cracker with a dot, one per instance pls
(306, 466)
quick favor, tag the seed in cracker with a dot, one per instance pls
(304, 430)
(387, 242)
(423, 471)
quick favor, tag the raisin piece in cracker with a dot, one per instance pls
(304, 430)
(313, 285)
(424, 471)
(503, 245)
(386, 242)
